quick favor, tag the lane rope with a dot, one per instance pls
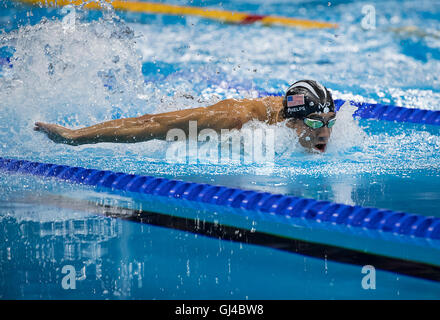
(262, 202)
(213, 14)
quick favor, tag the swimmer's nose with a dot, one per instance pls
(323, 134)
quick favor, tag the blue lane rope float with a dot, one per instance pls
(393, 113)
(263, 202)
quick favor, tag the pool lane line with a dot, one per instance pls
(213, 14)
(245, 236)
(386, 112)
(277, 205)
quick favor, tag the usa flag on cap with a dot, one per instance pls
(295, 100)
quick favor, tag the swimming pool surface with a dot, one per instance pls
(128, 64)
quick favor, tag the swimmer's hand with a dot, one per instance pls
(56, 133)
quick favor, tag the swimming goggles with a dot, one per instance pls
(316, 124)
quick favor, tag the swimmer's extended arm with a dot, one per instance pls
(227, 114)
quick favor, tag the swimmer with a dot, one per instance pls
(307, 107)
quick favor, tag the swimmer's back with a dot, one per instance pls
(264, 109)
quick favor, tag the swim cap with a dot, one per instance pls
(305, 97)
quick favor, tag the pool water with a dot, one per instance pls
(112, 65)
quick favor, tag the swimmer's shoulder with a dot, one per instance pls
(268, 108)
(263, 109)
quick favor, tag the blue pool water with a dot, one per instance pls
(109, 66)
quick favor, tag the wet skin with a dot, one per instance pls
(227, 114)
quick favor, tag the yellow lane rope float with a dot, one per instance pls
(168, 9)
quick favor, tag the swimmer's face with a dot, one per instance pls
(313, 139)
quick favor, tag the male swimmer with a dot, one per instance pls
(307, 107)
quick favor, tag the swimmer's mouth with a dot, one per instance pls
(320, 147)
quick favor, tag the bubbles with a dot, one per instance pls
(346, 134)
(86, 70)
(87, 73)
